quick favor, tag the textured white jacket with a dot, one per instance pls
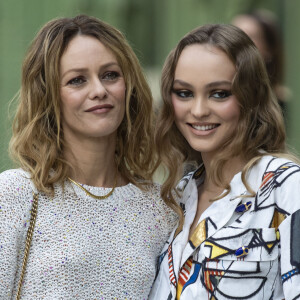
(82, 248)
(242, 248)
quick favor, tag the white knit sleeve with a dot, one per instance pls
(15, 204)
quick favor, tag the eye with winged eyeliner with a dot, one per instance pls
(220, 94)
(182, 93)
(217, 90)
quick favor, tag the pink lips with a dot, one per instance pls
(203, 129)
(100, 108)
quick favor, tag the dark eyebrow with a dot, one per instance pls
(210, 85)
(183, 83)
(80, 70)
(218, 83)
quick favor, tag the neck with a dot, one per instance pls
(233, 166)
(93, 161)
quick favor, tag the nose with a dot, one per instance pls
(200, 107)
(97, 90)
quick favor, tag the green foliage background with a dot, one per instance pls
(152, 27)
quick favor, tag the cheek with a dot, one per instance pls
(71, 104)
(119, 91)
(179, 109)
(121, 96)
(230, 111)
(71, 99)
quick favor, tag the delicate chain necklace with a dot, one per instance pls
(92, 195)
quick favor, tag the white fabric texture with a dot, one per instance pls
(82, 248)
(208, 266)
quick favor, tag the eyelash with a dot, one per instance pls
(108, 76)
(74, 81)
(182, 93)
(222, 94)
(217, 94)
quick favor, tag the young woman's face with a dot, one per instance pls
(206, 112)
(92, 90)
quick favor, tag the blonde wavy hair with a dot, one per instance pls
(260, 127)
(37, 144)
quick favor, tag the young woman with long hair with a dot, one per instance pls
(240, 209)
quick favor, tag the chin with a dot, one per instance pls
(200, 148)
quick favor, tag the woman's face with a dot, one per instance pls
(92, 90)
(206, 112)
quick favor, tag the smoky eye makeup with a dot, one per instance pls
(182, 93)
(220, 94)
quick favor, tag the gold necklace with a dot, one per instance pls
(92, 195)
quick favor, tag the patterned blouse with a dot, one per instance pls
(243, 247)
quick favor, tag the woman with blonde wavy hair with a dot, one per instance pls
(238, 236)
(80, 218)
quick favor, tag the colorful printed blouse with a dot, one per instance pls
(243, 247)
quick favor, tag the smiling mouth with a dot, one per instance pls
(204, 127)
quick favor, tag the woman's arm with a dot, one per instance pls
(14, 221)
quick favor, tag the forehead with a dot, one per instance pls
(204, 60)
(86, 48)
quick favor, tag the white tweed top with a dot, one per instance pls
(82, 248)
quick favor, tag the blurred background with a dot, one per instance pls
(152, 27)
